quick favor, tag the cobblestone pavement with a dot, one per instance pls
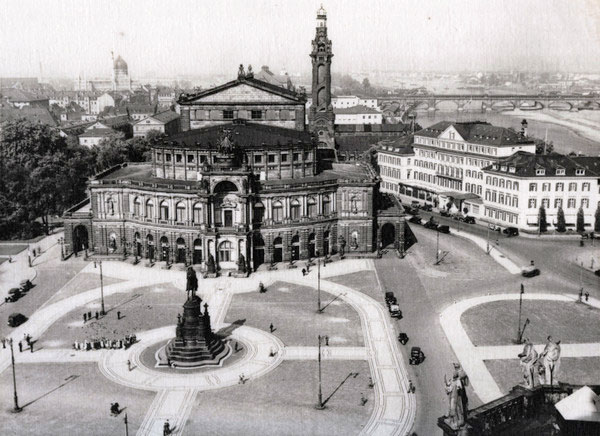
(394, 408)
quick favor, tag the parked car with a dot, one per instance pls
(16, 319)
(415, 219)
(395, 311)
(457, 217)
(511, 231)
(444, 212)
(415, 204)
(494, 227)
(530, 271)
(25, 285)
(390, 298)
(409, 210)
(469, 220)
(431, 225)
(427, 207)
(443, 229)
(13, 295)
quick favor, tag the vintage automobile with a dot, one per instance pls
(416, 356)
(390, 298)
(25, 285)
(469, 220)
(444, 212)
(443, 229)
(13, 295)
(416, 219)
(395, 311)
(530, 271)
(16, 319)
(427, 207)
(511, 231)
(431, 224)
(403, 338)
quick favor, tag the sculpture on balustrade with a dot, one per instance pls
(549, 363)
(455, 405)
(527, 360)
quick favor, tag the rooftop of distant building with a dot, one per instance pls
(478, 132)
(523, 164)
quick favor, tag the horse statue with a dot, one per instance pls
(549, 359)
(527, 360)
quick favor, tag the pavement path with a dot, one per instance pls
(472, 358)
(394, 409)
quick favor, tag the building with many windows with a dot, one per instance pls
(245, 182)
(357, 115)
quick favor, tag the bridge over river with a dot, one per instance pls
(483, 102)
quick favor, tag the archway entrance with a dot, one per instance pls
(197, 256)
(388, 235)
(311, 245)
(150, 247)
(277, 250)
(180, 251)
(164, 249)
(296, 247)
(138, 244)
(326, 243)
(259, 250)
(80, 238)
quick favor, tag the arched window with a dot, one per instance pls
(197, 213)
(277, 212)
(326, 205)
(225, 251)
(259, 212)
(180, 212)
(149, 209)
(137, 206)
(295, 209)
(164, 210)
(312, 206)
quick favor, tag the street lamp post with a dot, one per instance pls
(15, 409)
(519, 332)
(61, 241)
(320, 405)
(126, 426)
(437, 247)
(487, 249)
(99, 262)
(318, 283)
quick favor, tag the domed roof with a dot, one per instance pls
(120, 63)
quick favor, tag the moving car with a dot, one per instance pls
(530, 271)
(13, 295)
(416, 356)
(25, 285)
(469, 220)
(431, 224)
(16, 319)
(443, 229)
(511, 231)
(427, 207)
(444, 212)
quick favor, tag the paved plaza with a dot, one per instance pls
(447, 310)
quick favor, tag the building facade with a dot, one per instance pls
(357, 115)
(166, 122)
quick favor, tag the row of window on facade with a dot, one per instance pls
(454, 146)
(502, 215)
(255, 114)
(506, 199)
(558, 202)
(181, 213)
(559, 187)
(393, 160)
(258, 158)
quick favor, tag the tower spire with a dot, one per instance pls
(321, 117)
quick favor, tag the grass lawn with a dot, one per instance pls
(576, 370)
(143, 309)
(495, 323)
(68, 399)
(282, 403)
(11, 250)
(292, 310)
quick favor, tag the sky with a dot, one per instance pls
(166, 38)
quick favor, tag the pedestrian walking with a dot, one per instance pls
(271, 328)
(34, 253)
(363, 399)
(128, 365)
(371, 384)
(31, 347)
(303, 272)
(90, 315)
(411, 387)
(96, 314)
(587, 296)
(236, 347)
(166, 428)
(327, 341)
(118, 315)
(3, 343)
(20, 347)
(84, 317)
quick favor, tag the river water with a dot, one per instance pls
(568, 131)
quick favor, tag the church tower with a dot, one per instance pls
(321, 117)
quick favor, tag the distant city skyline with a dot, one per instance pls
(160, 39)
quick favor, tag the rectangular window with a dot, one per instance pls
(158, 156)
(190, 158)
(560, 187)
(585, 187)
(532, 203)
(228, 115)
(284, 157)
(256, 115)
(545, 187)
(573, 186)
(257, 158)
(546, 203)
(178, 158)
(557, 203)
(532, 187)
(571, 203)
(306, 155)
(168, 157)
(296, 157)
(585, 203)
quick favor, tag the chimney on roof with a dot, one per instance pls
(524, 128)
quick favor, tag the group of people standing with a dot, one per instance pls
(98, 344)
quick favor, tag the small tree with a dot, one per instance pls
(561, 225)
(542, 220)
(580, 221)
(597, 219)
